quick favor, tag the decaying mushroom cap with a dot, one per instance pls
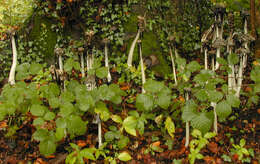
(218, 43)
(212, 52)
(141, 22)
(80, 49)
(89, 35)
(105, 41)
(241, 37)
(58, 51)
(220, 8)
(244, 14)
(242, 51)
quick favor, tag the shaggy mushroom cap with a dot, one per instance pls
(58, 51)
(243, 51)
(218, 43)
(80, 49)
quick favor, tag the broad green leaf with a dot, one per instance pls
(201, 95)
(38, 121)
(144, 102)
(66, 109)
(88, 153)
(47, 147)
(67, 96)
(153, 86)
(117, 119)
(163, 100)
(209, 135)
(233, 100)
(203, 76)
(40, 134)
(60, 133)
(122, 143)
(203, 121)
(255, 74)
(124, 156)
(38, 110)
(49, 116)
(54, 102)
(129, 124)
(102, 72)
(85, 103)
(35, 68)
(193, 66)
(61, 123)
(233, 59)
(102, 110)
(169, 125)
(76, 126)
(109, 136)
(242, 142)
(223, 109)
(215, 96)
(105, 92)
(189, 111)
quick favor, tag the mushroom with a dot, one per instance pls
(106, 42)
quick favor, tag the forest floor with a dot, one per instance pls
(20, 148)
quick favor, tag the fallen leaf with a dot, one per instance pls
(81, 143)
(258, 111)
(209, 160)
(157, 143)
(3, 124)
(213, 147)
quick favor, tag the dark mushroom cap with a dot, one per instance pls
(220, 8)
(243, 51)
(244, 13)
(58, 51)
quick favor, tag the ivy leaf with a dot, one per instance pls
(102, 72)
(233, 100)
(47, 147)
(144, 102)
(193, 66)
(169, 125)
(153, 86)
(233, 59)
(203, 121)
(124, 156)
(223, 109)
(129, 124)
(38, 110)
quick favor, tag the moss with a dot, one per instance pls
(150, 46)
(43, 36)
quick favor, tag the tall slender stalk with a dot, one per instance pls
(131, 51)
(11, 78)
(109, 78)
(187, 128)
(173, 66)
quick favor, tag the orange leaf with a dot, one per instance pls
(258, 111)
(3, 124)
(125, 88)
(209, 159)
(51, 156)
(181, 99)
(213, 147)
(81, 143)
(157, 144)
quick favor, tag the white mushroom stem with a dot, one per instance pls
(132, 48)
(240, 77)
(99, 131)
(109, 78)
(142, 68)
(173, 67)
(206, 58)
(187, 128)
(82, 65)
(11, 79)
(246, 44)
(218, 49)
(215, 126)
(60, 63)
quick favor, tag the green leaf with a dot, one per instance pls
(193, 66)
(102, 72)
(40, 134)
(144, 102)
(233, 100)
(233, 59)
(49, 116)
(117, 119)
(209, 135)
(75, 125)
(85, 103)
(255, 74)
(203, 76)
(47, 147)
(163, 100)
(59, 134)
(122, 143)
(66, 109)
(54, 102)
(223, 109)
(201, 95)
(242, 142)
(88, 153)
(169, 125)
(189, 111)
(67, 96)
(61, 123)
(203, 121)
(153, 86)
(35, 68)
(124, 156)
(109, 136)
(102, 110)
(215, 96)
(38, 121)
(38, 110)
(129, 124)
